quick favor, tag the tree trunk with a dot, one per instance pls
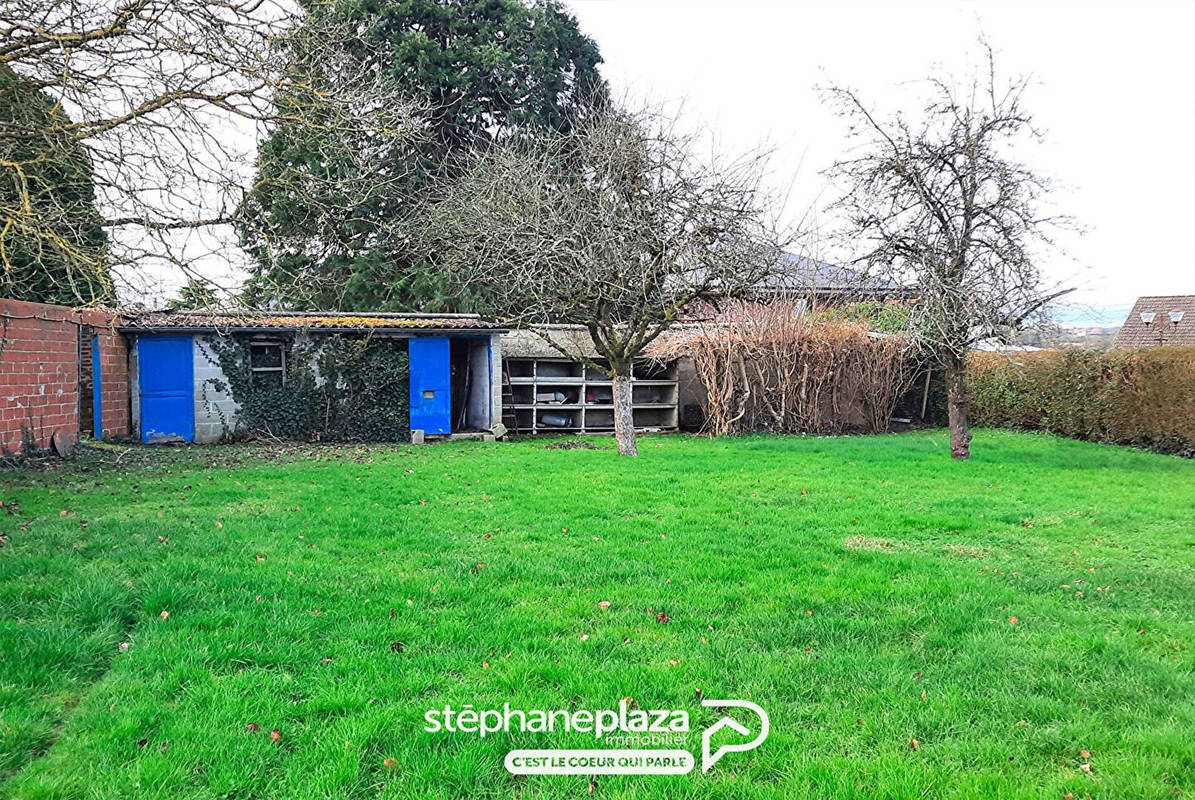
(624, 421)
(956, 402)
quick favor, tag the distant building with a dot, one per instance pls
(822, 284)
(1158, 321)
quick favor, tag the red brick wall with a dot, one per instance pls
(39, 373)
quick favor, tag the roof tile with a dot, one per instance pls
(1135, 334)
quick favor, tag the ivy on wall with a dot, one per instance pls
(337, 388)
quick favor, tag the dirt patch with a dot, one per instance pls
(874, 543)
(571, 445)
(967, 550)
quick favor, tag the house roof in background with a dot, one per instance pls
(798, 274)
(574, 339)
(1135, 334)
(330, 321)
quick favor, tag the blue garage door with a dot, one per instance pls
(167, 395)
(97, 391)
(431, 383)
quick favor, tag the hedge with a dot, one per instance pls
(1144, 398)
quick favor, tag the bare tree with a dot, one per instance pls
(945, 207)
(167, 99)
(616, 226)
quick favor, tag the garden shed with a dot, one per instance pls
(205, 377)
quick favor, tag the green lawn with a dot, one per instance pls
(860, 589)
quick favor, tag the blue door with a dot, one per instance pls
(431, 384)
(97, 391)
(166, 386)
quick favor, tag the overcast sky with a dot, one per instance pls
(1115, 93)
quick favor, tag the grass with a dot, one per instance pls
(859, 589)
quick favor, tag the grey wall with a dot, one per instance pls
(495, 365)
(215, 410)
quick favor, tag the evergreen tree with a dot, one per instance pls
(481, 70)
(53, 248)
(195, 295)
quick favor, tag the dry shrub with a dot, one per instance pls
(1144, 397)
(767, 367)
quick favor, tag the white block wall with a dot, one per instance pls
(215, 410)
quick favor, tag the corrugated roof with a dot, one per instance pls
(302, 320)
(1136, 334)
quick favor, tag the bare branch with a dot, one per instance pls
(617, 226)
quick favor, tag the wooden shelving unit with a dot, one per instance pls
(555, 395)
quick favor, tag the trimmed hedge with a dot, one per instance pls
(1144, 398)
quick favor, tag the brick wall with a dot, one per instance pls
(39, 374)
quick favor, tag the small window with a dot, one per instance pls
(268, 364)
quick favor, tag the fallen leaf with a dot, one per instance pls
(140, 742)
(604, 604)
(1084, 754)
(1085, 767)
(662, 618)
(253, 727)
(914, 744)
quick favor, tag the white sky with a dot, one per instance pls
(1116, 97)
